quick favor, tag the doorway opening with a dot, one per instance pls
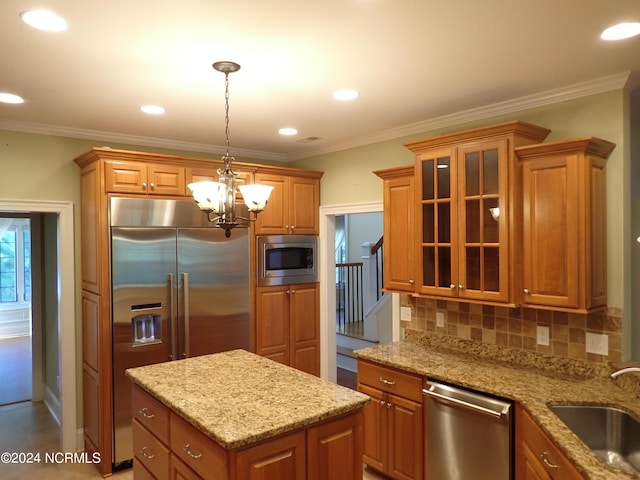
(57, 303)
(15, 309)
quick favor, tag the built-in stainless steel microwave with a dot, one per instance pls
(287, 259)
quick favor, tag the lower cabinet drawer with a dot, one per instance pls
(140, 472)
(196, 450)
(390, 380)
(150, 452)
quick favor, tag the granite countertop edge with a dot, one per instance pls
(235, 416)
(525, 383)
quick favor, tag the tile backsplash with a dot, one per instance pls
(517, 327)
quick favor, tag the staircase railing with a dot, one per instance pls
(349, 293)
(378, 252)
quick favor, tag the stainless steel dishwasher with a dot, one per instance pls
(468, 434)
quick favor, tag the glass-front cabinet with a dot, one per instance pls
(465, 190)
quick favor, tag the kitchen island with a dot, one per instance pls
(236, 415)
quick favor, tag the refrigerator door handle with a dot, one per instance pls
(172, 317)
(185, 307)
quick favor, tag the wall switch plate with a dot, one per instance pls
(542, 333)
(405, 314)
(440, 318)
(597, 343)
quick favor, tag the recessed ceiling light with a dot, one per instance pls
(152, 109)
(621, 31)
(10, 98)
(345, 94)
(288, 131)
(44, 20)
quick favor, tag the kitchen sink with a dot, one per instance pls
(612, 434)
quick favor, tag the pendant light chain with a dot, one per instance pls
(227, 157)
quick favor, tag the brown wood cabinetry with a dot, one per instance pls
(537, 457)
(106, 173)
(330, 449)
(399, 230)
(564, 223)
(393, 421)
(288, 325)
(467, 207)
(293, 206)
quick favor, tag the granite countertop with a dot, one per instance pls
(533, 381)
(238, 398)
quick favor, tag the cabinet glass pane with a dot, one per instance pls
(444, 177)
(472, 212)
(428, 223)
(472, 173)
(491, 269)
(427, 180)
(429, 266)
(473, 268)
(490, 171)
(444, 222)
(491, 224)
(444, 266)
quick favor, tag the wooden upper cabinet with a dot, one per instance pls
(141, 178)
(293, 207)
(467, 205)
(399, 229)
(564, 223)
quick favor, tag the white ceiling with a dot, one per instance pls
(411, 60)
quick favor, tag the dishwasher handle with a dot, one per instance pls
(462, 403)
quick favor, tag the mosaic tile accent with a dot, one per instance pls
(517, 327)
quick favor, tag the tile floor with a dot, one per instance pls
(29, 428)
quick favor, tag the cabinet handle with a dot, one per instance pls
(382, 403)
(544, 458)
(387, 382)
(452, 286)
(410, 282)
(144, 185)
(293, 227)
(144, 411)
(187, 450)
(388, 405)
(526, 291)
(153, 185)
(461, 287)
(293, 291)
(143, 452)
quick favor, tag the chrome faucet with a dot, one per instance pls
(625, 370)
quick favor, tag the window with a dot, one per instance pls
(15, 261)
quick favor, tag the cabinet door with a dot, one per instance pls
(532, 468)
(284, 458)
(483, 236)
(551, 232)
(304, 204)
(304, 310)
(334, 449)
(125, 177)
(437, 255)
(399, 234)
(272, 323)
(375, 428)
(166, 180)
(406, 452)
(274, 219)
(180, 471)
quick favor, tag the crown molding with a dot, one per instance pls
(624, 80)
(583, 89)
(85, 134)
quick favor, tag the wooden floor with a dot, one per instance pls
(15, 369)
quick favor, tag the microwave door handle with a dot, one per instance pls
(185, 308)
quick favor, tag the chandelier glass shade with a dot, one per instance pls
(218, 199)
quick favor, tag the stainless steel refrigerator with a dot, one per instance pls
(179, 289)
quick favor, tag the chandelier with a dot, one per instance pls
(218, 199)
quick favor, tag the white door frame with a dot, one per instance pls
(66, 310)
(327, 264)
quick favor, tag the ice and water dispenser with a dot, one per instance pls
(146, 327)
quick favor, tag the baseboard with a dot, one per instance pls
(53, 404)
